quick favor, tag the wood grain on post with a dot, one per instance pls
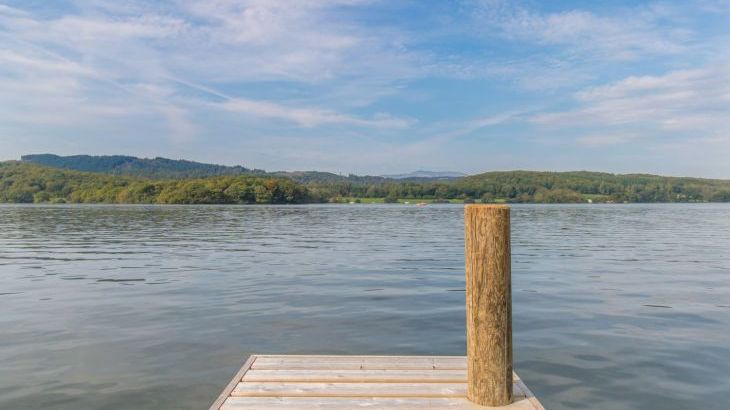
(488, 304)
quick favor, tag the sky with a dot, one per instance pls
(372, 87)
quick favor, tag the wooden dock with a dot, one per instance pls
(357, 382)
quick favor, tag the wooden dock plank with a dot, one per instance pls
(398, 388)
(356, 376)
(359, 362)
(357, 382)
(345, 403)
(298, 389)
(359, 375)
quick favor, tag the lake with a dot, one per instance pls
(156, 307)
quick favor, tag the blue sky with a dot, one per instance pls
(373, 87)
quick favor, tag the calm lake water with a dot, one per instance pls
(150, 307)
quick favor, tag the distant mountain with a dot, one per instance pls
(142, 167)
(305, 177)
(427, 174)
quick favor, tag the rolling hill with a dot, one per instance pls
(142, 167)
(122, 179)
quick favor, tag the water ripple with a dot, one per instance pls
(153, 307)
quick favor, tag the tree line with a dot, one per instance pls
(542, 187)
(26, 183)
(29, 183)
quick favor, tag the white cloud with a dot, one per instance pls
(685, 102)
(631, 34)
(227, 71)
(178, 120)
(598, 140)
(11, 11)
(480, 123)
(308, 117)
(41, 63)
(78, 29)
(670, 100)
(310, 42)
(111, 59)
(556, 48)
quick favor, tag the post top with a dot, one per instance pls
(488, 206)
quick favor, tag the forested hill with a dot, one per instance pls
(532, 186)
(540, 187)
(133, 166)
(27, 182)
(164, 168)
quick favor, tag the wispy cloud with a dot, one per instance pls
(25, 61)
(365, 83)
(137, 50)
(599, 140)
(630, 34)
(478, 123)
(559, 48)
(308, 117)
(304, 116)
(11, 11)
(686, 100)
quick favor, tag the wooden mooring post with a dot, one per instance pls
(488, 304)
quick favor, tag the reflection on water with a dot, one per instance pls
(118, 307)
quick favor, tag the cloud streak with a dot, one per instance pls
(696, 101)
(632, 34)
(365, 83)
(308, 117)
(139, 50)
